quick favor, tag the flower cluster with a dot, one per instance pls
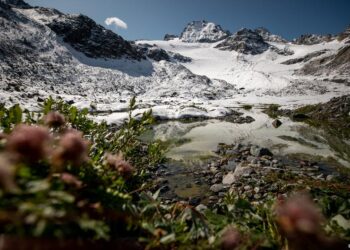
(31, 144)
(117, 162)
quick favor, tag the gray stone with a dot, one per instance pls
(229, 179)
(330, 177)
(276, 123)
(201, 208)
(231, 165)
(259, 151)
(216, 188)
(194, 201)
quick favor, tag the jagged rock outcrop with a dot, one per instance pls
(344, 36)
(306, 58)
(335, 65)
(203, 32)
(245, 41)
(84, 35)
(155, 53)
(169, 37)
(15, 3)
(268, 36)
(311, 39)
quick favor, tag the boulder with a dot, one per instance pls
(276, 123)
(216, 188)
(259, 151)
(229, 179)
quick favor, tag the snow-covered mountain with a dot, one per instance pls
(202, 73)
(203, 32)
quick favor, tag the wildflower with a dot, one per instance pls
(300, 222)
(7, 175)
(71, 180)
(299, 215)
(231, 239)
(54, 120)
(72, 148)
(123, 167)
(28, 143)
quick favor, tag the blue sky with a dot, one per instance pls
(151, 19)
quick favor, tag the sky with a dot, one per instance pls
(152, 19)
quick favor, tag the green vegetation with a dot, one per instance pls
(247, 106)
(64, 176)
(272, 110)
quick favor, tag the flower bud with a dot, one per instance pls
(28, 143)
(54, 120)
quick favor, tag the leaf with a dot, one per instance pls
(341, 221)
(168, 239)
(156, 194)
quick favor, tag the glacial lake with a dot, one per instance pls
(192, 144)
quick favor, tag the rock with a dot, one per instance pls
(216, 188)
(244, 41)
(84, 35)
(229, 179)
(257, 196)
(330, 177)
(203, 32)
(213, 198)
(247, 188)
(169, 37)
(242, 170)
(164, 189)
(259, 151)
(231, 166)
(194, 201)
(201, 208)
(276, 123)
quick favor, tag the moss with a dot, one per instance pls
(272, 110)
(247, 107)
(307, 109)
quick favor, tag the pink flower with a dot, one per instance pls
(123, 167)
(72, 148)
(28, 143)
(71, 180)
(54, 120)
(231, 239)
(299, 215)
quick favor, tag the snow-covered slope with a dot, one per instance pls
(41, 55)
(257, 74)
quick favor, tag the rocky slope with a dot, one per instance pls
(268, 36)
(311, 39)
(245, 41)
(203, 31)
(336, 65)
(39, 59)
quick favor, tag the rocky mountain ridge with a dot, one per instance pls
(203, 31)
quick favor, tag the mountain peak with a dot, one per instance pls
(268, 36)
(15, 3)
(203, 31)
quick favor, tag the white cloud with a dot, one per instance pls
(117, 22)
